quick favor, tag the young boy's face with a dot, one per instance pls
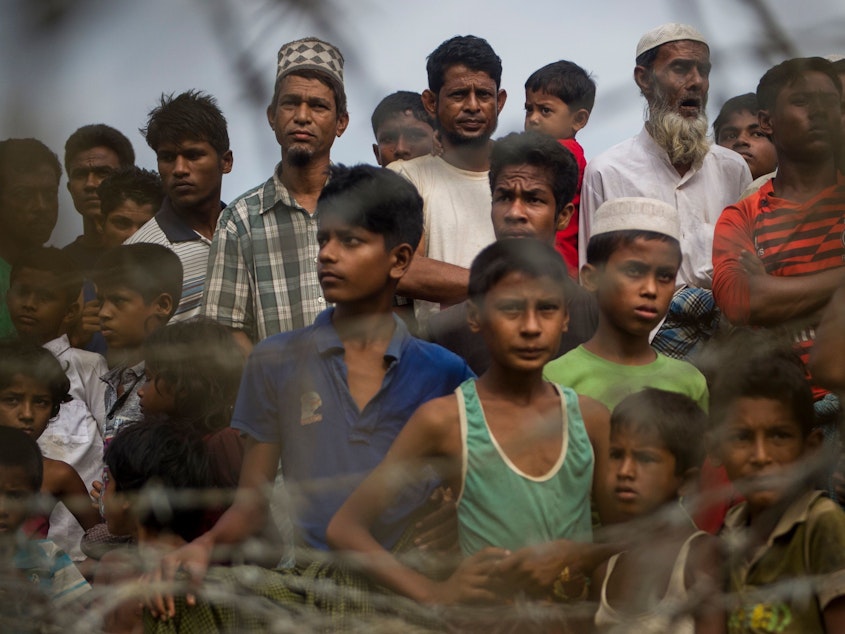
(760, 444)
(353, 264)
(121, 223)
(192, 172)
(641, 473)
(26, 404)
(635, 287)
(29, 205)
(38, 306)
(524, 204)
(125, 318)
(521, 320)
(741, 133)
(402, 136)
(15, 490)
(806, 120)
(86, 171)
(550, 115)
(155, 395)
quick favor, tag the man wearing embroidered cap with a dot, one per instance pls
(671, 158)
(632, 261)
(262, 270)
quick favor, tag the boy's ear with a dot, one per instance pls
(72, 314)
(580, 119)
(429, 102)
(765, 121)
(814, 440)
(226, 161)
(163, 305)
(376, 154)
(402, 255)
(565, 216)
(473, 316)
(590, 277)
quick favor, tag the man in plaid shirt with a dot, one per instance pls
(262, 268)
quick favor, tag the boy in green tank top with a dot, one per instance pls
(520, 454)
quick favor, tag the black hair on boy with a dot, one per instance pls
(473, 52)
(740, 103)
(199, 360)
(541, 151)
(399, 103)
(99, 135)
(772, 372)
(513, 255)
(674, 418)
(171, 457)
(141, 186)
(787, 73)
(147, 269)
(20, 156)
(602, 246)
(19, 449)
(191, 115)
(32, 361)
(375, 199)
(54, 261)
(567, 81)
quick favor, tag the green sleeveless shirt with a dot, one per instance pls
(501, 506)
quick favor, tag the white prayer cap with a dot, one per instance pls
(671, 32)
(637, 214)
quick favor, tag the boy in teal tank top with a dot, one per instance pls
(520, 454)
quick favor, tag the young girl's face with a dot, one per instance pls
(15, 491)
(156, 395)
(641, 474)
(26, 404)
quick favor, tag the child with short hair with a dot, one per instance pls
(330, 398)
(129, 198)
(32, 388)
(559, 98)
(521, 455)
(787, 540)
(173, 462)
(655, 455)
(402, 127)
(36, 561)
(633, 258)
(42, 301)
(193, 370)
(138, 286)
(738, 128)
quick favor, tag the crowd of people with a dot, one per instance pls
(485, 385)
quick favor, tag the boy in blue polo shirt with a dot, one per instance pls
(329, 399)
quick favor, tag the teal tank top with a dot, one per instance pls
(502, 506)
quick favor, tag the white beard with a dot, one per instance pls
(684, 139)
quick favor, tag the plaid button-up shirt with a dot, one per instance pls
(262, 268)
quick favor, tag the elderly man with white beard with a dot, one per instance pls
(671, 159)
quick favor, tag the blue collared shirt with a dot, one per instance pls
(295, 393)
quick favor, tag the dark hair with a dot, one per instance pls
(399, 103)
(170, 458)
(473, 52)
(567, 81)
(19, 449)
(740, 103)
(189, 116)
(514, 255)
(541, 151)
(768, 370)
(53, 261)
(37, 363)
(25, 155)
(376, 199)
(787, 73)
(147, 269)
(141, 186)
(201, 363)
(602, 246)
(99, 135)
(675, 418)
(309, 73)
